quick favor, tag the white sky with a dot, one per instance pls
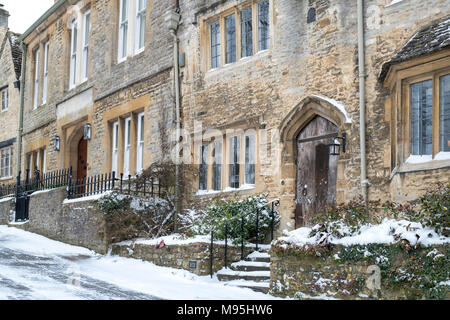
(23, 13)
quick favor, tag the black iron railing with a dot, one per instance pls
(136, 186)
(271, 205)
(7, 190)
(49, 180)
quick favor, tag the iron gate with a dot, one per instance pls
(22, 206)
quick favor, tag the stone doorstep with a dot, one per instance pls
(263, 287)
(250, 266)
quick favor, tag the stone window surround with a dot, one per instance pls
(225, 12)
(9, 151)
(133, 152)
(38, 158)
(80, 22)
(132, 46)
(225, 155)
(399, 79)
(4, 98)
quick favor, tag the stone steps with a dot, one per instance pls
(253, 272)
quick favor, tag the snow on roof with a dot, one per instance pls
(429, 39)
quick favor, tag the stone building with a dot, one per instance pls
(10, 63)
(267, 87)
(279, 80)
(98, 78)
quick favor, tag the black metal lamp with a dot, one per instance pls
(87, 131)
(56, 143)
(335, 145)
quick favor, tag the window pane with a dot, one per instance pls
(203, 168)
(421, 118)
(444, 116)
(234, 162)
(230, 25)
(246, 32)
(217, 165)
(250, 159)
(215, 44)
(263, 25)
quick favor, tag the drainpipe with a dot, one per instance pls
(24, 48)
(173, 19)
(362, 98)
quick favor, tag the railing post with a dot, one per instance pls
(272, 221)
(211, 255)
(242, 238)
(121, 182)
(113, 179)
(226, 246)
(257, 228)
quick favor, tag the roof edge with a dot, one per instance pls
(38, 22)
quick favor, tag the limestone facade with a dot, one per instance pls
(10, 59)
(293, 61)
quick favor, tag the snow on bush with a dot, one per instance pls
(229, 212)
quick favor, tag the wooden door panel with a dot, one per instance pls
(316, 170)
(82, 159)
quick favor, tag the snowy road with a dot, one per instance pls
(34, 267)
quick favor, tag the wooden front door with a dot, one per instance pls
(82, 159)
(316, 170)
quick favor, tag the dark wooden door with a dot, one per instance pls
(82, 159)
(316, 170)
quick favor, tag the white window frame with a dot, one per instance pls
(44, 160)
(115, 147)
(73, 54)
(86, 37)
(45, 83)
(230, 158)
(6, 153)
(4, 99)
(252, 138)
(36, 78)
(140, 18)
(140, 143)
(123, 31)
(127, 147)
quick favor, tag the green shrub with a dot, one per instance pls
(228, 212)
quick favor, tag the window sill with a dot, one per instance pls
(238, 64)
(6, 178)
(244, 187)
(423, 163)
(4, 110)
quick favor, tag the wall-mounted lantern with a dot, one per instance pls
(56, 143)
(335, 145)
(87, 131)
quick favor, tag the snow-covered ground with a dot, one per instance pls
(34, 267)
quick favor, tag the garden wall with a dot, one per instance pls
(6, 205)
(360, 272)
(180, 256)
(75, 222)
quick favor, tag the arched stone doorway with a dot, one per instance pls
(316, 170)
(312, 116)
(76, 154)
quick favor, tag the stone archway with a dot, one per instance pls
(333, 117)
(72, 153)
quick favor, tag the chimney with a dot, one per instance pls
(3, 17)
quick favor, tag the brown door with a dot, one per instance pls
(316, 170)
(82, 159)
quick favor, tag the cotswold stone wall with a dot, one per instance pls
(180, 256)
(78, 223)
(360, 272)
(318, 58)
(6, 205)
